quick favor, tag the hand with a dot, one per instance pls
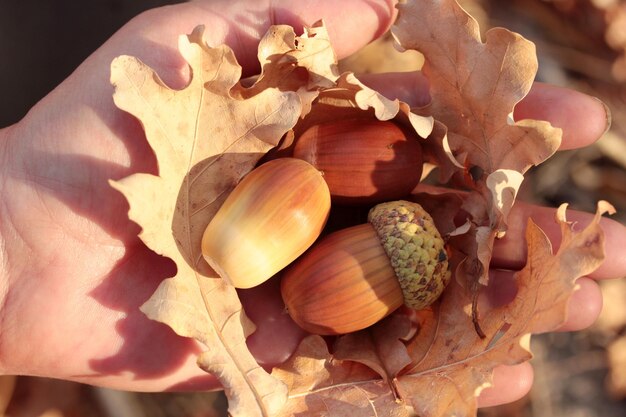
(76, 273)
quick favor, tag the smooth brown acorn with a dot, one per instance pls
(354, 277)
(271, 217)
(364, 161)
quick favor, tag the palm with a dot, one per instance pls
(92, 272)
(91, 269)
(82, 272)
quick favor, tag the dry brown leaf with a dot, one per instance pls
(320, 385)
(204, 141)
(449, 363)
(280, 51)
(459, 363)
(474, 88)
(211, 133)
(474, 85)
(290, 63)
(349, 98)
(378, 347)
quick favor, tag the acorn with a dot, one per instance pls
(364, 161)
(271, 217)
(356, 276)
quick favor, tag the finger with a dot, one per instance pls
(409, 87)
(583, 118)
(84, 102)
(351, 24)
(276, 336)
(510, 383)
(153, 36)
(583, 307)
(510, 251)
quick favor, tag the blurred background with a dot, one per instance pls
(580, 43)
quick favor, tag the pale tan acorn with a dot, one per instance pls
(271, 217)
(356, 276)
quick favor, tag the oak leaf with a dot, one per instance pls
(204, 140)
(349, 98)
(448, 364)
(304, 64)
(211, 133)
(459, 363)
(320, 385)
(379, 347)
(474, 87)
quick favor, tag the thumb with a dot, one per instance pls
(240, 25)
(153, 36)
(351, 24)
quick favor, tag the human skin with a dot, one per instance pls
(73, 271)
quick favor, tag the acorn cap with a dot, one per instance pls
(415, 249)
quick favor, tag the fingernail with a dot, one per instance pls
(607, 116)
